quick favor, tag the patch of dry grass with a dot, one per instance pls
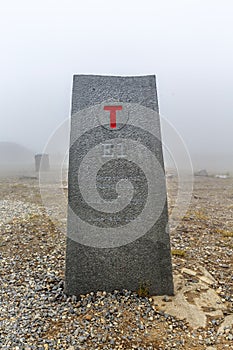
(225, 233)
(178, 252)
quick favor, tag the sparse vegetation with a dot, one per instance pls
(144, 289)
(178, 252)
(225, 233)
(201, 215)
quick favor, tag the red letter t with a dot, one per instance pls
(112, 110)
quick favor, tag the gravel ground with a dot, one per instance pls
(16, 209)
(36, 314)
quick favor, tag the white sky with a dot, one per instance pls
(187, 43)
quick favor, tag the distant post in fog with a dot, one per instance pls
(42, 162)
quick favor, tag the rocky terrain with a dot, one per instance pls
(36, 314)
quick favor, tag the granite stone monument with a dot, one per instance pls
(117, 231)
(42, 162)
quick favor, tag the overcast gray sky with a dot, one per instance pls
(186, 43)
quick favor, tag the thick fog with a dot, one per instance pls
(186, 43)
